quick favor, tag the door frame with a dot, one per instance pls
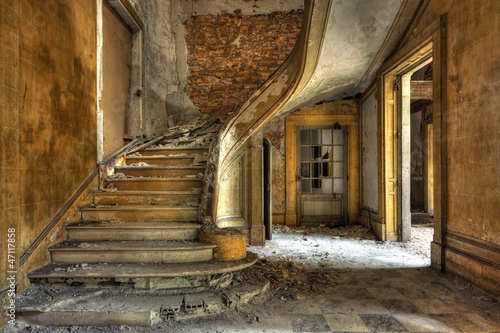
(345, 138)
(127, 12)
(346, 113)
(403, 60)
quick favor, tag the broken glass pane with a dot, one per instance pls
(305, 170)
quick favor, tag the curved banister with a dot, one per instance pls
(288, 80)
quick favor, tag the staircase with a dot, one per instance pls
(140, 234)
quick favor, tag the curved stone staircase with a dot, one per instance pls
(140, 237)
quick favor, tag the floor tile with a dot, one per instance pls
(310, 323)
(367, 307)
(385, 293)
(398, 305)
(434, 306)
(379, 323)
(421, 323)
(346, 323)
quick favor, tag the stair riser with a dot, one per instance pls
(102, 234)
(136, 172)
(141, 215)
(151, 199)
(157, 185)
(173, 152)
(160, 161)
(130, 256)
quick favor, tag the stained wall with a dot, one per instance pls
(48, 114)
(468, 170)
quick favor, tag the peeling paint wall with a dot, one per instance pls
(166, 98)
(369, 154)
(48, 114)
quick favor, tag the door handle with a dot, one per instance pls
(298, 177)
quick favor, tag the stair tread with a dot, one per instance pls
(139, 207)
(127, 245)
(129, 270)
(133, 225)
(148, 192)
(159, 167)
(160, 157)
(138, 179)
(177, 148)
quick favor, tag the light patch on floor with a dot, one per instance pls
(346, 248)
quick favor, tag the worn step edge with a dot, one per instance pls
(59, 270)
(156, 179)
(148, 192)
(159, 167)
(133, 225)
(146, 208)
(148, 245)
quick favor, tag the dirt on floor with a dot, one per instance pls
(301, 263)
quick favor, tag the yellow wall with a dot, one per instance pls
(48, 114)
(466, 132)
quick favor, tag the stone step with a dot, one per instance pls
(160, 171)
(132, 230)
(153, 184)
(177, 151)
(49, 306)
(131, 252)
(185, 198)
(161, 160)
(117, 274)
(140, 213)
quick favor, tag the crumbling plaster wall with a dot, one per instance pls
(231, 55)
(48, 116)
(166, 71)
(470, 205)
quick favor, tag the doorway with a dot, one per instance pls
(119, 76)
(117, 64)
(322, 176)
(267, 175)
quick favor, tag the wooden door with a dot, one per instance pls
(322, 176)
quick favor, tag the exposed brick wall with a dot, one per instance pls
(231, 55)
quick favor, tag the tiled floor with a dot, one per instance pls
(400, 300)
(361, 294)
